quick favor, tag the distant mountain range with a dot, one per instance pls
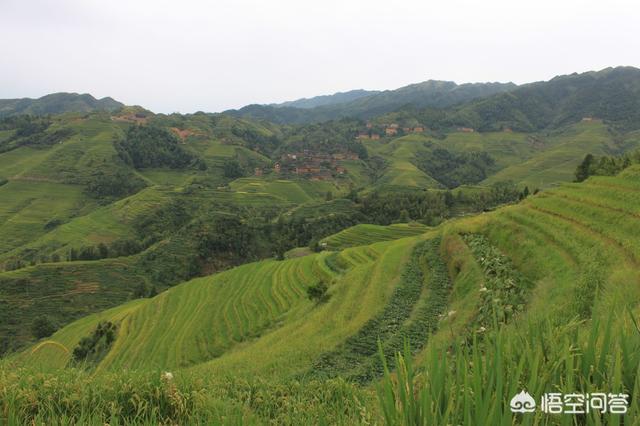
(324, 100)
(363, 104)
(57, 103)
(611, 94)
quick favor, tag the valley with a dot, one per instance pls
(236, 268)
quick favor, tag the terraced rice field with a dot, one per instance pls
(256, 321)
(236, 317)
(360, 235)
(297, 192)
(558, 155)
(401, 170)
(27, 206)
(102, 225)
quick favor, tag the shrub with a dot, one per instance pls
(318, 292)
(94, 347)
(43, 326)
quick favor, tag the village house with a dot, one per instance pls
(258, 171)
(418, 129)
(277, 168)
(307, 169)
(340, 170)
(351, 156)
(466, 129)
(375, 136)
(321, 175)
(390, 131)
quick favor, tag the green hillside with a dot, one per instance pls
(422, 262)
(561, 154)
(555, 251)
(431, 93)
(57, 103)
(361, 235)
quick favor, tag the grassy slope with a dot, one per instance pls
(26, 207)
(102, 225)
(297, 192)
(548, 237)
(223, 315)
(560, 155)
(399, 154)
(360, 235)
(256, 321)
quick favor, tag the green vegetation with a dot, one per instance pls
(361, 235)
(146, 146)
(201, 268)
(93, 348)
(452, 169)
(475, 383)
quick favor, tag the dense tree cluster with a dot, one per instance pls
(605, 165)
(149, 146)
(43, 326)
(109, 184)
(453, 169)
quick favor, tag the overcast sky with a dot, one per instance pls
(190, 55)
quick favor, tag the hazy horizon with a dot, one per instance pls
(198, 56)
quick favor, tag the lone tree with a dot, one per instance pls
(43, 326)
(318, 292)
(584, 169)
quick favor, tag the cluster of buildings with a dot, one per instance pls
(315, 166)
(388, 130)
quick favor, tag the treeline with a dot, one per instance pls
(605, 165)
(149, 146)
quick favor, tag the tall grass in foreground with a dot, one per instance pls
(72, 396)
(473, 385)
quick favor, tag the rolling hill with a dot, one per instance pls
(219, 269)
(57, 103)
(432, 93)
(256, 320)
(323, 100)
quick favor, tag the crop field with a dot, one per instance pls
(317, 334)
(68, 291)
(560, 155)
(102, 225)
(27, 206)
(298, 191)
(559, 257)
(401, 171)
(360, 235)
(225, 318)
(505, 147)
